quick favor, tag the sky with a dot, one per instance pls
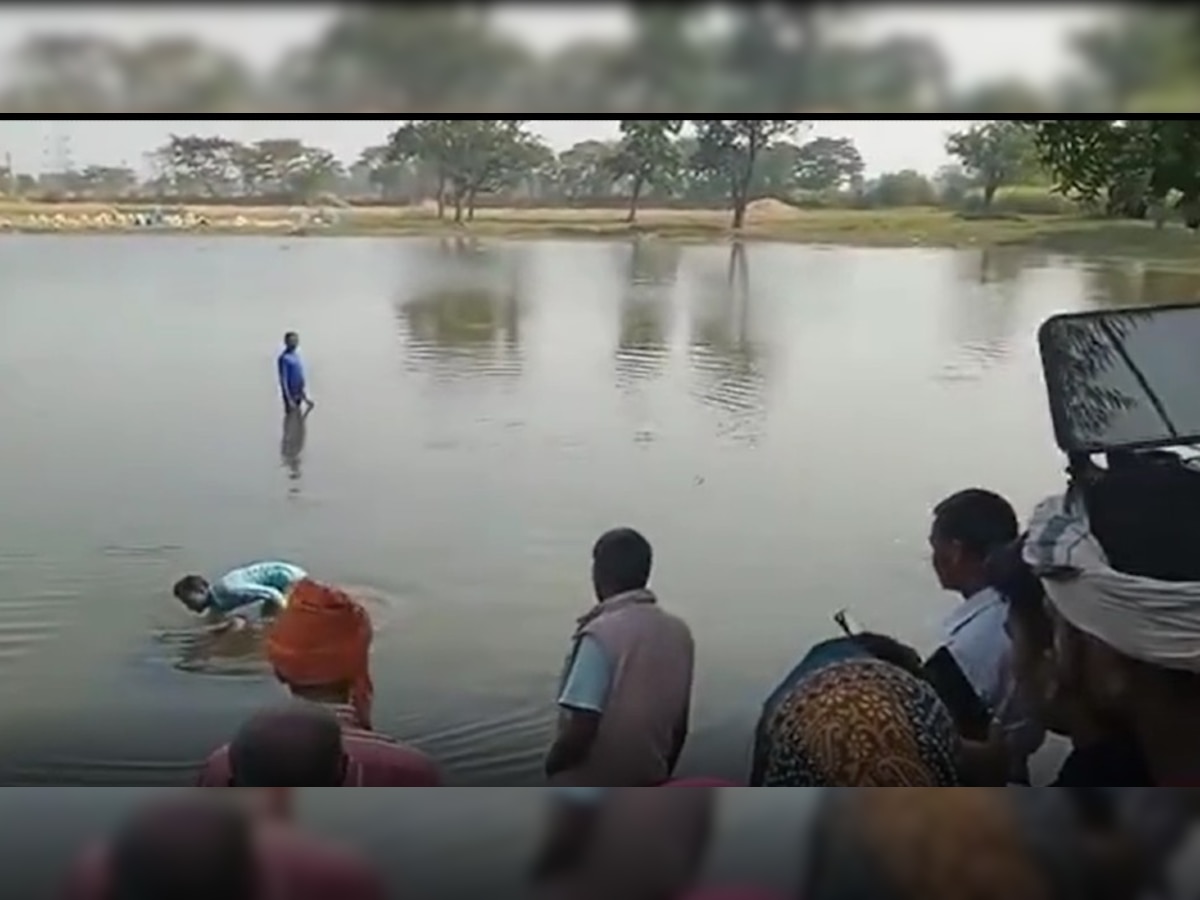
(982, 43)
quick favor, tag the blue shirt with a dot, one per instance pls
(587, 677)
(265, 582)
(291, 376)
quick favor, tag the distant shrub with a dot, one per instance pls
(1023, 201)
(907, 188)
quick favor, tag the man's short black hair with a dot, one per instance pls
(297, 746)
(978, 519)
(188, 848)
(290, 335)
(622, 559)
(188, 585)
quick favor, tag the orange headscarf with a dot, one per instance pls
(323, 637)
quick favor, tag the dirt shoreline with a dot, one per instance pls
(766, 221)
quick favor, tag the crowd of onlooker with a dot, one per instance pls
(655, 844)
(1084, 624)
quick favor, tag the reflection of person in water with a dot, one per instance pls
(291, 445)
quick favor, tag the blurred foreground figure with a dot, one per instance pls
(195, 847)
(631, 843)
(319, 646)
(961, 844)
(857, 722)
(1117, 557)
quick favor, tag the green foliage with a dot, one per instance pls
(1131, 162)
(826, 164)
(729, 149)
(470, 155)
(904, 188)
(994, 154)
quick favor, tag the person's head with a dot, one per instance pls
(1146, 518)
(291, 340)
(320, 647)
(621, 561)
(298, 746)
(893, 730)
(192, 592)
(967, 526)
(189, 847)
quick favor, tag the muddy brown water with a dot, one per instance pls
(777, 419)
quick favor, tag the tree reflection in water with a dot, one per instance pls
(726, 360)
(645, 310)
(982, 311)
(466, 320)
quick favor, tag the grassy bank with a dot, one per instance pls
(766, 220)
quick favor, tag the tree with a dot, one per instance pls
(1140, 51)
(905, 188)
(204, 165)
(64, 74)
(386, 176)
(585, 170)
(730, 149)
(407, 59)
(775, 173)
(827, 164)
(470, 156)
(184, 76)
(108, 181)
(994, 154)
(1133, 161)
(951, 184)
(645, 155)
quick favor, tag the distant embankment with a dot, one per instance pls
(765, 220)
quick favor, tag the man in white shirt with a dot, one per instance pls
(967, 526)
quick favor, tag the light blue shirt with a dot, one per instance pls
(587, 678)
(975, 636)
(264, 582)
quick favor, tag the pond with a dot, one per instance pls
(777, 419)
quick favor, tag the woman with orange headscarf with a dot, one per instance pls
(320, 647)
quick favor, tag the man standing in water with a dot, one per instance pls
(292, 385)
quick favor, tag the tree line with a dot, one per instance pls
(458, 163)
(1119, 167)
(758, 59)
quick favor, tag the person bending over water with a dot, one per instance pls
(263, 583)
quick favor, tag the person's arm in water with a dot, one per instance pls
(581, 705)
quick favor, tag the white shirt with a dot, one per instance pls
(975, 636)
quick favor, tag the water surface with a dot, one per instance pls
(777, 419)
